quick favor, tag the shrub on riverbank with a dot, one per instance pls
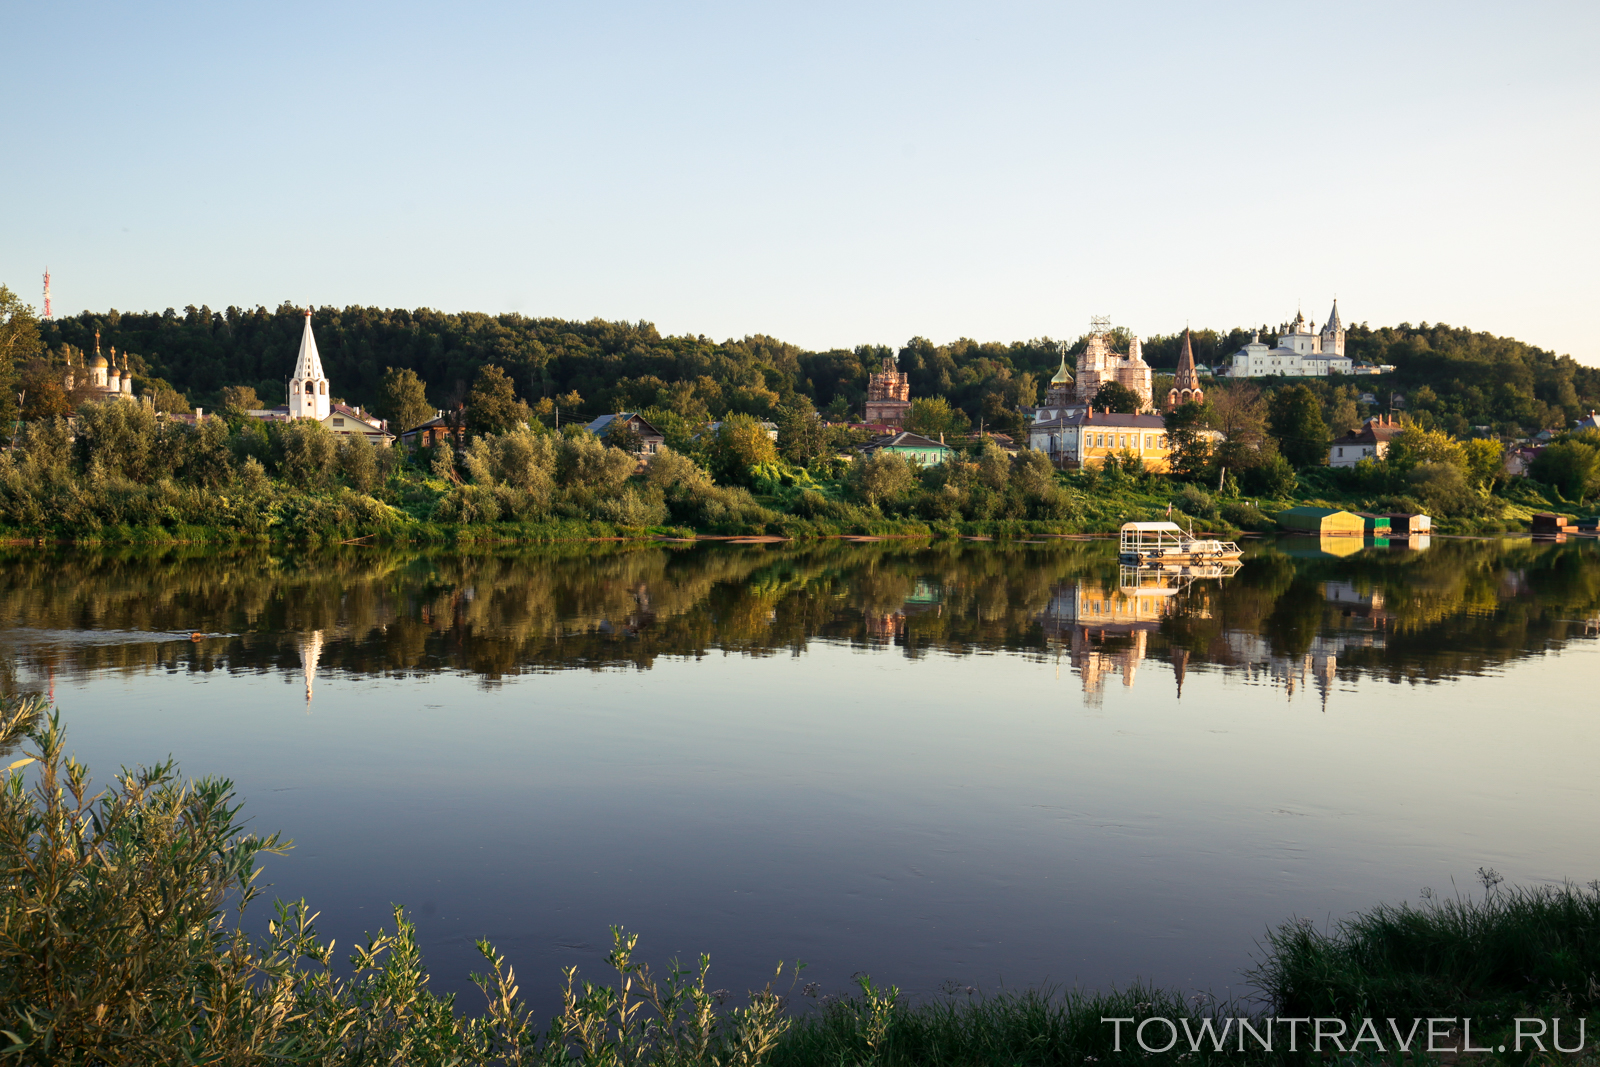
(122, 474)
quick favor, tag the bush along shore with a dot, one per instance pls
(120, 944)
(119, 473)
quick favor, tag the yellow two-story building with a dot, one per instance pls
(1085, 438)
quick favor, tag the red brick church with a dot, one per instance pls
(888, 394)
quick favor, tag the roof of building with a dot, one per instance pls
(904, 440)
(1333, 319)
(308, 364)
(1374, 432)
(602, 426)
(1113, 420)
(437, 420)
(1185, 377)
(350, 412)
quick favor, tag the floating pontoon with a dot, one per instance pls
(1167, 542)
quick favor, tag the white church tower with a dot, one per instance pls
(308, 389)
(1332, 337)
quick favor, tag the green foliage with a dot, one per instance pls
(740, 445)
(443, 463)
(802, 438)
(1114, 396)
(115, 948)
(1488, 959)
(881, 478)
(358, 462)
(1571, 467)
(1485, 462)
(19, 345)
(932, 416)
(1195, 502)
(43, 390)
(1294, 416)
(209, 463)
(1417, 444)
(1246, 516)
(113, 944)
(1274, 477)
(304, 451)
(1190, 454)
(584, 461)
(402, 400)
(1442, 487)
(1476, 378)
(167, 399)
(622, 436)
(237, 400)
(492, 405)
(1473, 378)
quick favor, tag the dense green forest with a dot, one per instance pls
(1454, 378)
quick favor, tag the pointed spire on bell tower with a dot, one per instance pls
(1186, 381)
(308, 388)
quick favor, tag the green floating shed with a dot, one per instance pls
(1323, 521)
(1377, 525)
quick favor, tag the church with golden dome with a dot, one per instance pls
(106, 378)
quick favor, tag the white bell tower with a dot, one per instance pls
(308, 389)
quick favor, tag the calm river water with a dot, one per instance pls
(977, 764)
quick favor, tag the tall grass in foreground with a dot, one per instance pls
(1496, 957)
(119, 945)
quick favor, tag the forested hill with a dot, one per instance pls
(621, 365)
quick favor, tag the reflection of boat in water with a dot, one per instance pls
(1167, 542)
(1169, 579)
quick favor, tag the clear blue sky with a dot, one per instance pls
(831, 174)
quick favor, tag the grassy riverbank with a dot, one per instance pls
(417, 507)
(119, 943)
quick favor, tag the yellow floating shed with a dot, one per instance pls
(1326, 522)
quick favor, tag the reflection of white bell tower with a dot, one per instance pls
(308, 389)
(310, 653)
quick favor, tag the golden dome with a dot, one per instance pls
(1063, 376)
(99, 361)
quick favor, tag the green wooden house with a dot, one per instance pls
(922, 450)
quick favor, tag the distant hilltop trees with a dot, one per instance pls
(1456, 377)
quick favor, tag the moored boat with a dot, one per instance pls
(1167, 542)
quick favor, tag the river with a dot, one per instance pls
(947, 765)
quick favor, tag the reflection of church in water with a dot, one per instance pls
(310, 647)
(886, 627)
(1105, 630)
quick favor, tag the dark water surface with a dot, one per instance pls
(972, 763)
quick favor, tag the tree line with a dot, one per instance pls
(1457, 378)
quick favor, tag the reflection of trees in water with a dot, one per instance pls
(1457, 608)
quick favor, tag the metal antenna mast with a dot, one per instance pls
(47, 313)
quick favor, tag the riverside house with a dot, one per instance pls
(1084, 438)
(912, 446)
(650, 438)
(1369, 442)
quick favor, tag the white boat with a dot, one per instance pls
(1167, 542)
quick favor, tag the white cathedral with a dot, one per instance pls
(309, 399)
(1298, 353)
